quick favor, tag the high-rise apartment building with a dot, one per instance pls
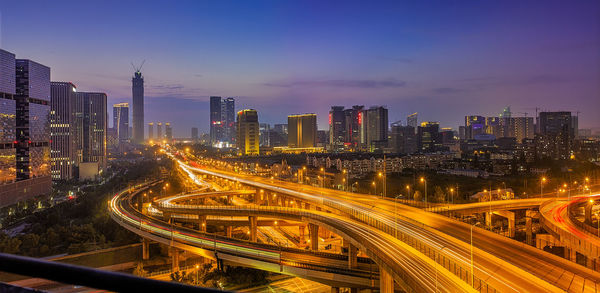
(168, 132)
(63, 152)
(151, 131)
(403, 139)
(376, 128)
(137, 90)
(247, 132)
(302, 130)
(121, 121)
(353, 126)
(556, 134)
(216, 127)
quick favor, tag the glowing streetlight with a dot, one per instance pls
(424, 183)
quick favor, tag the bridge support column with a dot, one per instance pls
(228, 231)
(313, 231)
(588, 213)
(301, 234)
(202, 223)
(386, 282)
(488, 219)
(174, 259)
(145, 249)
(529, 215)
(352, 258)
(253, 227)
(335, 289)
(230, 199)
(510, 216)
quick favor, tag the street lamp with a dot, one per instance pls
(452, 194)
(396, 214)
(542, 186)
(408, 190)
(323, 177)
(345, 172)
(472, 262)
(374, 188)
(425, 183)
(380, 175)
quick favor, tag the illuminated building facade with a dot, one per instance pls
(302, 131)
(247, 133)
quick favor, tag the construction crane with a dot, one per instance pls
(138, 69)
(524, 113)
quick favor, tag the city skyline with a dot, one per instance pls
(543, 58)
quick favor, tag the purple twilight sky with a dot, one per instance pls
(443, 59)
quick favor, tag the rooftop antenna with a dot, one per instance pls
(138, 69)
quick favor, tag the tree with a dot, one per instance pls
(417, 196)
(438, 194)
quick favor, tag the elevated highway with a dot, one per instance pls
(500, 262)
(418, 271)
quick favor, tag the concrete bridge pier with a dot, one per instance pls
(228, 231)
(301, 234)
(511, 221)
(145, 249)
(588, 213)
(253, 223)
(528, 231)
(335, 289)
(174, 259)
(313, 231)
(352, 256)
(202, 223)
(488, 219)
(386, 282)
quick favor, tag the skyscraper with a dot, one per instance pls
(222, 120)
(353, 126)
(228, 119)
(337, 132)
(376, 128)
(216, 126)
(412, 120)
(121, 121)
(8, 159)
(556, 134)
(159, 132)
(33, 119)
(150, 131)
(474, 125)
(138, 107)
(62, 127)
(195, 134)
(428, 137)
(168, 132)
(403, 139)
(94, 128)
(247, 132)
(302, 130)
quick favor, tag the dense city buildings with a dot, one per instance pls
(63, 150)
(121, 121)
(247, 133)
(302, 131)
(137, 90)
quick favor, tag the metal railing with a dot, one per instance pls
(88, 277)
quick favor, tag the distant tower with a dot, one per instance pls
(150, 131)
(138, 104)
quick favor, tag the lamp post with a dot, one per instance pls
(408, 196)
(322, 177)
(542, 181)
(374, 188)
(380, 175)
(345, 180)
(396, 214)
(425, 183)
